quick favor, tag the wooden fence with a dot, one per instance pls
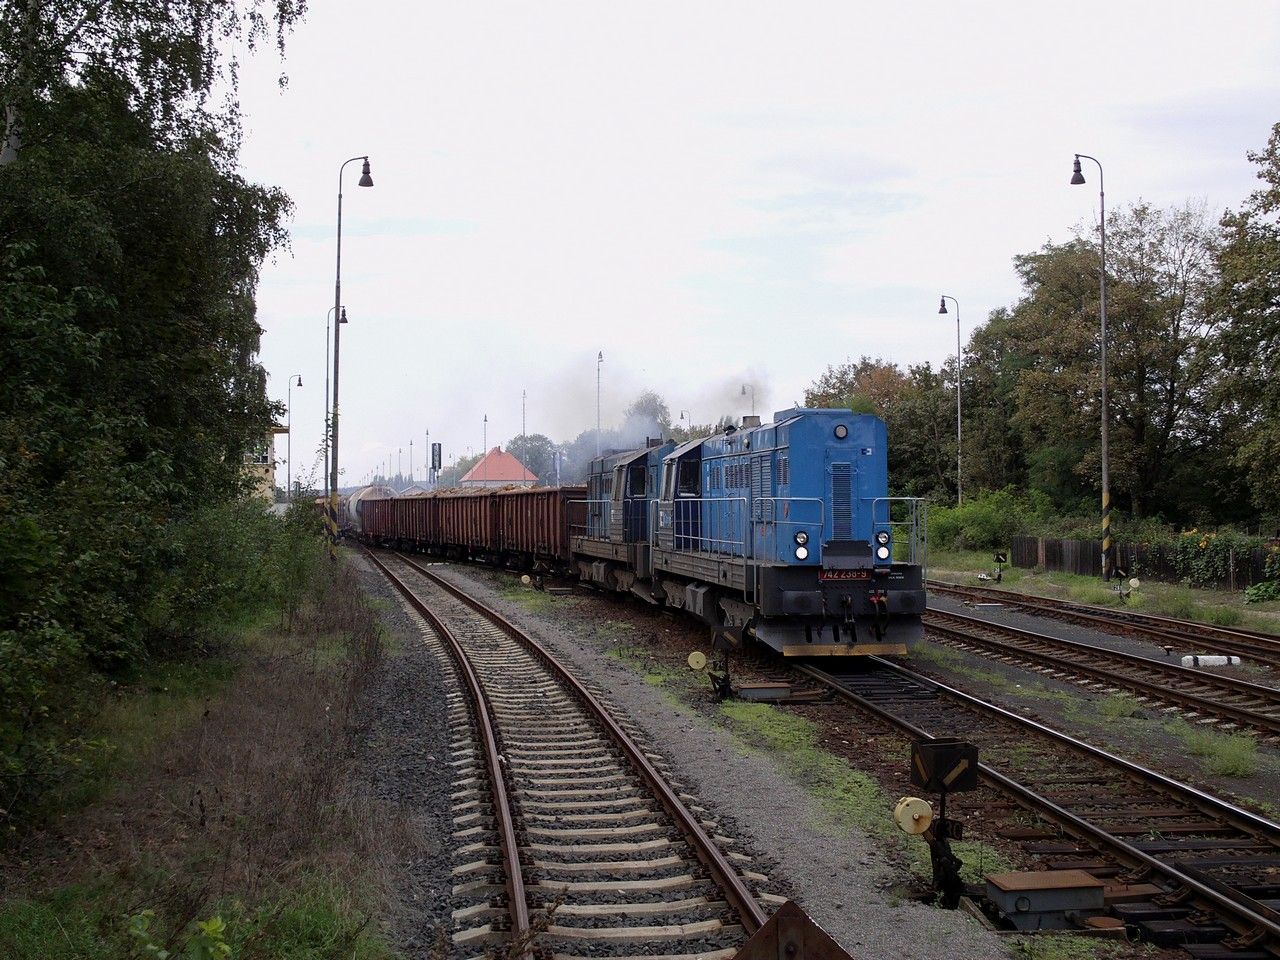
(1150, 561)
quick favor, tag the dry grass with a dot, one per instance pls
(255, 796)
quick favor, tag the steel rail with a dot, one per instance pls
(722, 871)
(1248, 915)
(518, 905)
(1261, 721)
(1252, 643)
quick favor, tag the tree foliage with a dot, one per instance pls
(537, 453)
(168, 56)
(129, 258)
(1193, 368)
(1246, 401)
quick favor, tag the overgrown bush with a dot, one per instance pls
(204, 573)
(985, 521)
(1268, 589)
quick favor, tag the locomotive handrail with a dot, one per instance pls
(659, 506)
(584, 529)
(915, 525)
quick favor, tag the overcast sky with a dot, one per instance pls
(710, 193)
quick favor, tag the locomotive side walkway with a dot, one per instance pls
(838, 875)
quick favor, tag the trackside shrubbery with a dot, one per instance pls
(206, 574)
(985, 521)
(989, 520)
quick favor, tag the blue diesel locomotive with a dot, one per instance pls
(784, 533)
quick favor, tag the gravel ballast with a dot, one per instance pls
(404, 761)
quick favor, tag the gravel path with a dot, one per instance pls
(404, 760)
(838, 876)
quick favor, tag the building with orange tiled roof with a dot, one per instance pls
(498, 469)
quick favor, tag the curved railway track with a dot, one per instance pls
(568, 832)
(1211, 858)
(1183, 635)
(1194, 693)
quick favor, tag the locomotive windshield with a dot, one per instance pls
(689, 479)
(637, 482)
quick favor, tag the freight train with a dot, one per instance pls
(782, 533)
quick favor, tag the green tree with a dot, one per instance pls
(1160, 270)
(129, 257)
(169, 56)
(1247, 399)
(650, 408)
(450, 475)
(537, 453)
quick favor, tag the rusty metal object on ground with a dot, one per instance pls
(791, 934)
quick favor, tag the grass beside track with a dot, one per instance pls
(851, 798)
(221, 817)
(1216, 607)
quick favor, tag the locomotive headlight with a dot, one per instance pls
(882, 553)
(882, 538)
(802, 553)
(802, 538)
(841, 431)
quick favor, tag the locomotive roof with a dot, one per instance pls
(687, 446)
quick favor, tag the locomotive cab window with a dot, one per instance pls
(637, 481)
(690, 477)
(617, 483)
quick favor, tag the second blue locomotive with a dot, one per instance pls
(782, 532)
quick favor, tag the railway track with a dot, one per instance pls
(1195, 694)
(1181, 635)
(1216, 865)
(568, 831)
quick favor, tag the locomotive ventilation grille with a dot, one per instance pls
(841, 501)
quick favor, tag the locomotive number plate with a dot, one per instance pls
(844, 574)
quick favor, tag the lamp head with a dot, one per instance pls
(299, 379)
(1077, 177)
(942, 305)
(365, 179)
(342, 317)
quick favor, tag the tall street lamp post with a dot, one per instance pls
(942, 308)
(599, 363)
(365, 181)
(289, 437)
(1108, 545)
(327, 317)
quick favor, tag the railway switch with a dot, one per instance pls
(942, 765)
